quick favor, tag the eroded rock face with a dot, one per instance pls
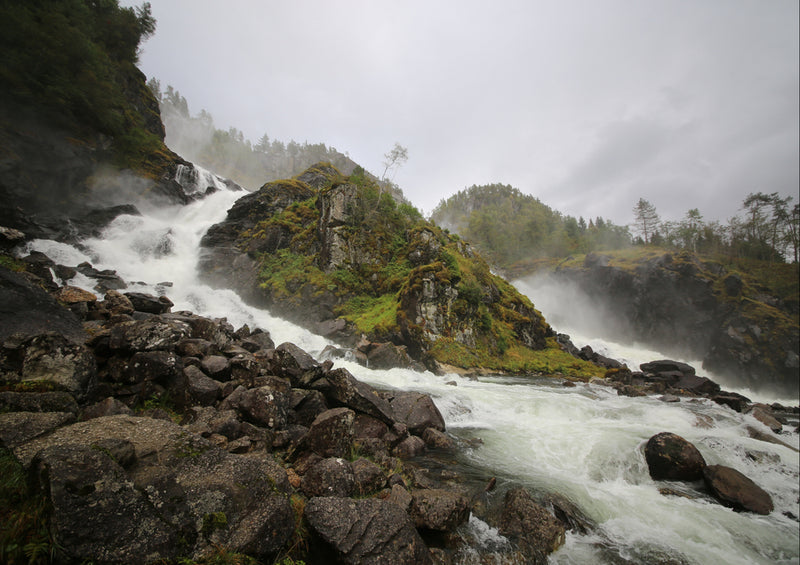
(672, 458)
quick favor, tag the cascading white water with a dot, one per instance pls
(585, 443)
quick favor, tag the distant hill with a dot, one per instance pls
(509, 226)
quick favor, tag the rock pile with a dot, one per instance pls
(154, 436)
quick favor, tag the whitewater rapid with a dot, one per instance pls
(584, 443)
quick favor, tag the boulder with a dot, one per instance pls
(346, 390)
(530, 526)
(51, 358)
(367, 531)
(439, 509)
(56, 401)
(672, 458)
(416, 410)
(735, 490)
(697, 385)
(665, 366)
(148, 303)
(332, 476)
(97, 513)
(411, 446)
(331, 433)
(369, 477)
(764, 414)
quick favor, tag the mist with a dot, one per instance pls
(588, 321)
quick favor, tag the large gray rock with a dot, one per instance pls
(670, 457)
(51, 358)
(367, 532)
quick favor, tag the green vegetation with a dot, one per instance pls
(520, 234)
(24, 520)
(75, 62)
(11, 263)
(509, 226)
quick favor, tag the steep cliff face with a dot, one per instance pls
(79, 129)
(690, 306)
(335, 254)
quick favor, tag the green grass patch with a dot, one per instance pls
(371, 315)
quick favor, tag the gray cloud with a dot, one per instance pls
(587, 104)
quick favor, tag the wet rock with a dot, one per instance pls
(416, 410)
(439, 509)
(311, 404)
(368, 531)
(672, 458)
(733, 400)
(530, 526)
(666, 366)
(735, 490)
(697, 385)
(434, 439)
(148, 303)
(764, 414)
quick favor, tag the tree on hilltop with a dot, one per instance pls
(646, 219)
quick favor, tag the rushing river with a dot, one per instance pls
(584, 443)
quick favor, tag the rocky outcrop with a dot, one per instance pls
(364, 270)
(683, 304)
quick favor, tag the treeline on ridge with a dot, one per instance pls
(511, 227)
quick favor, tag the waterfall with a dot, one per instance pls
(584, 443)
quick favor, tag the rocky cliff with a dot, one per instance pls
(336, 255)
(686, 305)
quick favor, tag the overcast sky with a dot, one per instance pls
(588, 105)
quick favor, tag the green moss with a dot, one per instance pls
(371, 316)
(515, 358)
(212, 522)
(11, 263)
